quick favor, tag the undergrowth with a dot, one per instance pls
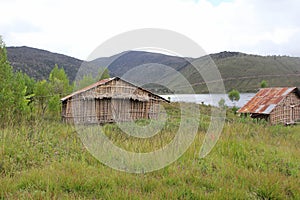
(252, 160)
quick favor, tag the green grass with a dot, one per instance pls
(46, 160)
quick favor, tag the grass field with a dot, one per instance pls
(46, 160)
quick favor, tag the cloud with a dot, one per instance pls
(218, 2)
(10, 30)
(76, 28)
(20, 26)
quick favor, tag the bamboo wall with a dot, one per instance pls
(287, 111)
(115, 101)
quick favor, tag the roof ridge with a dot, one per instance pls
(104, 81)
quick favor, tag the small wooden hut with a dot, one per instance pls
(276, 105)
(110, 100)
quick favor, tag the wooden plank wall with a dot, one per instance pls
(287, 111)
(106, 104)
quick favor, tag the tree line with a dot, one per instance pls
(24, 98)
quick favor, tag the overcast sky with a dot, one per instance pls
(76, 28)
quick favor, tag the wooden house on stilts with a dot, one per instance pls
(110, 100)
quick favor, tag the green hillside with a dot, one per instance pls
(38, 63)
(238, 70)
(244, 72)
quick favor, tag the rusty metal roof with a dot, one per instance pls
(266, 100)
(102, 82)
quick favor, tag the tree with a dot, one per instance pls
(42, 94)
(54, 106)
(59, 82)
(30, 84)
(6, 72)
(89, 79)
(103, 73)
(29, 96)
(12, 90)
(222, 103)
(85, 81)
(59, 86)
(234, 96)
(21, 94)
(263, 84)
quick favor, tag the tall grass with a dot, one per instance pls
(46, 160)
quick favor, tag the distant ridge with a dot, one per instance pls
(226, 54)
(238, 70)
(38, 63)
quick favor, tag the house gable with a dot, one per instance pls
(110, 100)
(266, 100)
(288, 110)
(114, 88)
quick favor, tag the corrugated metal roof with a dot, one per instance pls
(266, 100)
(102, 82)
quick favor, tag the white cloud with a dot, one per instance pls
(76, 28)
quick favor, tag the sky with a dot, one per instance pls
(76, 28)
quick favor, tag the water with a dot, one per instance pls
(209, 99)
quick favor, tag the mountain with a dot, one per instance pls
(238, 70)
(38, 63)
(244, 72)
(122, 63)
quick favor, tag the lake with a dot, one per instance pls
(209, 99)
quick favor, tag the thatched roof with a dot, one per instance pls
(100, 96)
